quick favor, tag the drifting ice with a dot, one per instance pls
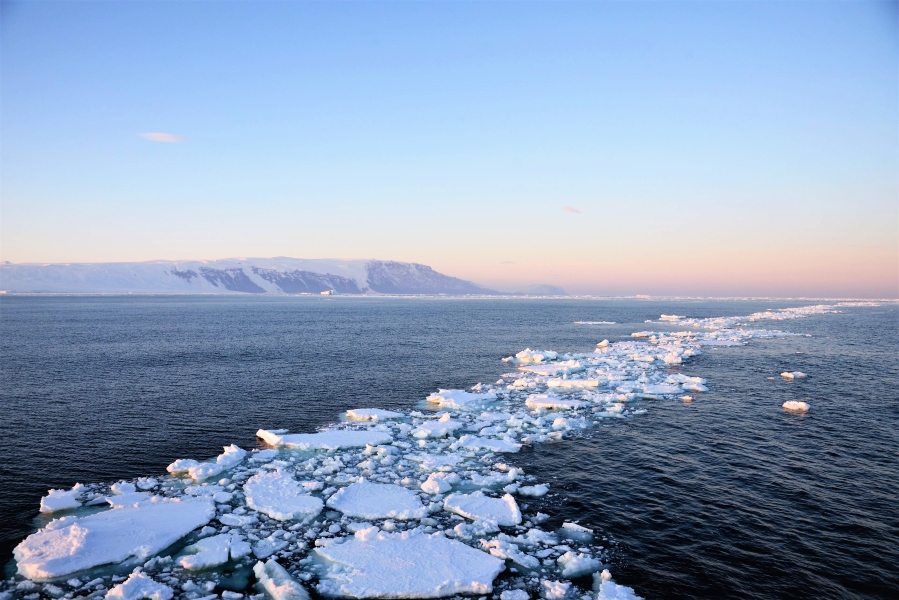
(795, 405)
(367, 500)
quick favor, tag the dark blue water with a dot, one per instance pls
(728, 496)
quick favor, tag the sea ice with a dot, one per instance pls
(198, 471)
(572, 384)
(326, 440)
(56, 500)
(566, 367)
(366, 500)
(140, 586)
(793, 375)
(476, 506)
(436, 429)
(795, 405)
(214, 551)
(606, 589)
(280, 496)
(528, 356)
(460, 399)
(555, 590)
(410, 564)
(275, 580)
(72, 544)
(473, 442)
(439, 483)
(552, 402)
(533, 491)
(577, 565)
(372, 414)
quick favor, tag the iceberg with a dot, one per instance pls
(410, 564)
(73, 544)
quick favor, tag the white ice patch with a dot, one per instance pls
(566, 367)
(533, 491)
(326, 440)
(406, 565)
(214, 551)
(366, 500)
(72, 544)
(439, 483)
(460, 399)
(476, 506)
(793, 375)
(575, 564)
(528, 356)
(795, 405)
(277, 582)
(572, 384)
(372, 414)
(198, 471)
(473, 442)
(606, 589)
(280, 496)
(57, 500)
(549, 401)
(140, 586)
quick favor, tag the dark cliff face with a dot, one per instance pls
(233, 280)
(297, 282)
(388, 277)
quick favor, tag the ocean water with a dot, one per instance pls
(725, 496)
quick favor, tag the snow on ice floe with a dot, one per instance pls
(372, 414)
(376, 564)
(325, 440)
(71, 544)
(367, 500)
(57, 500)
(277, 582)
(140, 586)
(280, 496)
(795, 405)
(420, 485)
(214, 551)
(460, 399)
(476, 506)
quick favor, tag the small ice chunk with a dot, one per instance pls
(577, 565)
(326, 440)
(123, 487)
(514, 595)
(73, 544)
(552, 402)
(533, 491)
(366, 500)
(504, 511)
(439, 483)
(793, 375)
(214, 551)
(460, 399)
(140, 586)
(555, 590)
(528, 356)
(795, 405)
(410, 564)
(508, 550)
(147, 483)
(280, 496)
(198, 471)
(436, 462)
(56, 500)
(436, 429)
(372, 414)
(264, 455)
(222, 497)
(606, 589)
(268, 546)
(577, 532)
(277, 582)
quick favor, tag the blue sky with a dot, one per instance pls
(707, 147)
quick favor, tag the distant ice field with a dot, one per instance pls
(677, 442)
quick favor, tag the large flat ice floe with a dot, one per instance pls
(325, 440)
(376, 564)
(430, 493)
(367, 500)
(280, 496)
(73, 544)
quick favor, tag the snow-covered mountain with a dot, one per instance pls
(239, 275)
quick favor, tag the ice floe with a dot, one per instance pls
(71, 544)
(277, 582)
(367, 500)
(214, 551)
(793, 375)
(372, 414)
(57, 500)
(325, 440)
(140, 586)
(460, 399)
(476, 506)
(795, 405)
(280, 496)
(377, 564)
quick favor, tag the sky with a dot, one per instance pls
(698, 148)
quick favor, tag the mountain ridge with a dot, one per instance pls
(278, 275)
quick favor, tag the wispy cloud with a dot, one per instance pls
(163, 137)
(571, 209)
(507, 262)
